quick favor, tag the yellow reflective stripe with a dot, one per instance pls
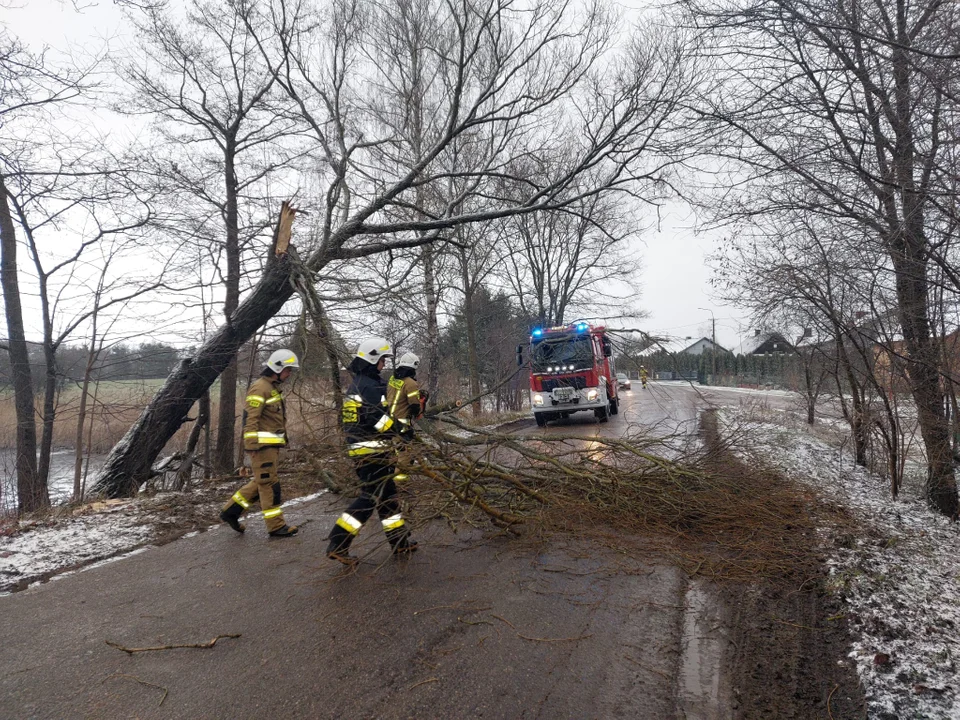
(384, 424)
(255, 397)
(272, 513)
(393, 522)
(251, 434)
(363, 451)
(352, 404)
(267, 437)
(403, 421)
(271, 401)
(400, 476)
(349, 523)
(240, 500)
(414, 394)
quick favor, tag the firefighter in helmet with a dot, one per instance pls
(643, 377)
(264, 433)
(370, 431)
(405, 399)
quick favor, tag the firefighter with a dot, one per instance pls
(643, 377)
(370, 432)
(264, 433)
(405, 399)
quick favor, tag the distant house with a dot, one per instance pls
(683, 346)
(766, 343)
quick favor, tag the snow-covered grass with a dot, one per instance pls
(34, 550)
(899, 576)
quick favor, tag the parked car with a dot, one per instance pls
(623, 381)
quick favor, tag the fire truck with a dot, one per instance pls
(571, 370)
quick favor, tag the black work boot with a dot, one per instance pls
(339, 550)
(231, 516)
(285, 531)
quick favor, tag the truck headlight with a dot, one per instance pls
(592, 394)
(538, 400)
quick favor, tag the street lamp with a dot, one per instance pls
(713, 339)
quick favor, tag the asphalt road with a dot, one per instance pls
(473, 626)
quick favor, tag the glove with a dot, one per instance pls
(424, 395)
(406, 432)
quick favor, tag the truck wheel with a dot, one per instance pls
(541, 419)
(603, 413)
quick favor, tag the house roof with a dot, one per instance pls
(752, 344)
(677, 345)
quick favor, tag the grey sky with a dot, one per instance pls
(675, 278)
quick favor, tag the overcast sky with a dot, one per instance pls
(675, 278)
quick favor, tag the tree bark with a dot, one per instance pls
(82, 420)
(227, 415)
(128, 464)
(433, 327)
(31, 487)
(185, 471)
(472, 362)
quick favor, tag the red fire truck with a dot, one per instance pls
(571, 369)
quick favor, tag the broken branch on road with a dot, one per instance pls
(206, 645)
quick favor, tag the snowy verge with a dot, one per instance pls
(899, 577)
(37, 550)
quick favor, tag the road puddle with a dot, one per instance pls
(703, 640)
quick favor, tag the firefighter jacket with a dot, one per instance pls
(403, 399)
(264, 416)
(366, 423)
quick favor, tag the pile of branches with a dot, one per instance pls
(690, 497)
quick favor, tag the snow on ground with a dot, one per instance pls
(42, 548)
(899, 577)
(31, 551)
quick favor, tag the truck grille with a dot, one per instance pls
(577, 383)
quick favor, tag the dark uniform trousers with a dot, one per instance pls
(264, 484)
(378, 492)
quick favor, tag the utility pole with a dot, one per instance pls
(713, 339)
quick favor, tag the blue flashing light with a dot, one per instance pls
(537, 332)
(582, 327)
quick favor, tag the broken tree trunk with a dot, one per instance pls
(128, 464)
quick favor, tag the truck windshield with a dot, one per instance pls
(574, 353)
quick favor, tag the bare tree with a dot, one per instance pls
(204, 81)
(571, 260)
(32, 88)
(852, 101)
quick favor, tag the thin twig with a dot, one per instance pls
(552, 640)
(131, 651)
(423, 682)
(829, 698)
(142, 682)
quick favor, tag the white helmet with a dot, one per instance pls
(372, 349)
(281, 359)
(409, 360)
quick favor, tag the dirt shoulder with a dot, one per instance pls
(789, 637)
